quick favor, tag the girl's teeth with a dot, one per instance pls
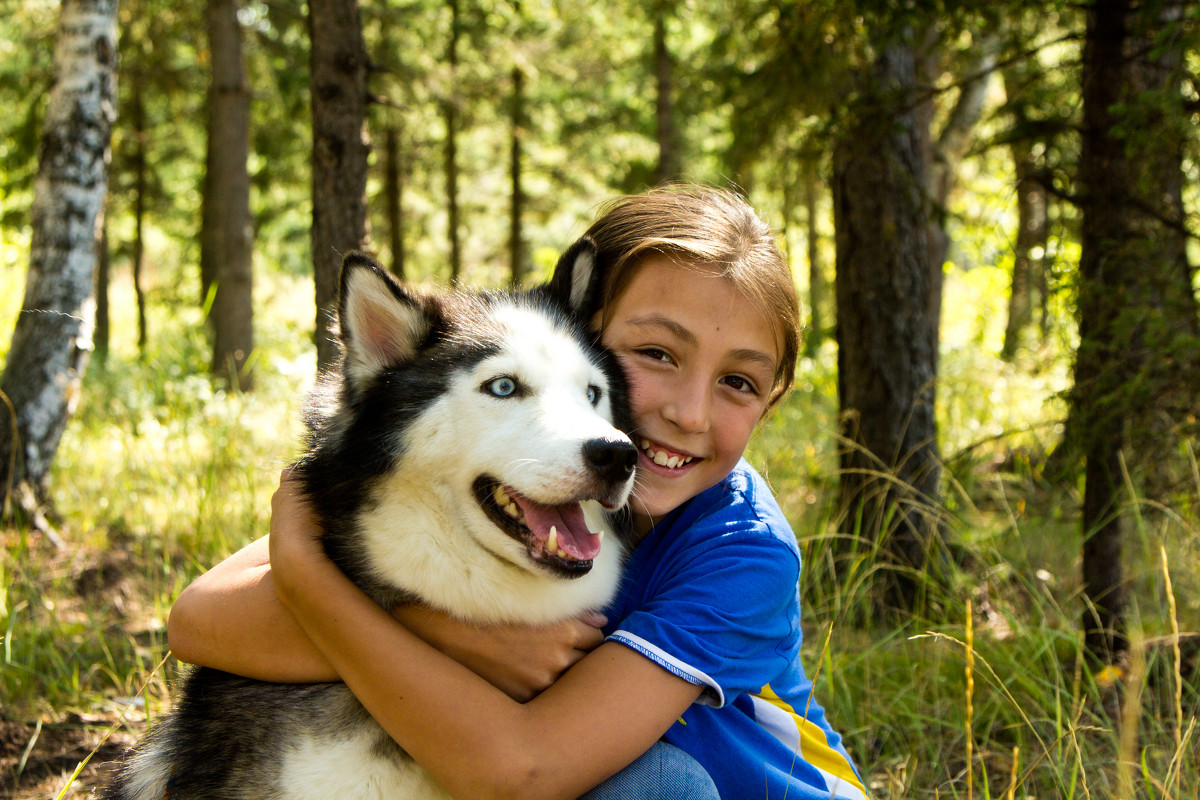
(661, 458)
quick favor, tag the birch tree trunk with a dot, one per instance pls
(53, 335)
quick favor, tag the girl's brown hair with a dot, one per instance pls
(711, 229)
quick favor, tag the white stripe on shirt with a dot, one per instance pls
(713, 696)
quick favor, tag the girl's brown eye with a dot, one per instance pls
(738, 383)
(655, 353)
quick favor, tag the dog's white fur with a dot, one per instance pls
(533, 444)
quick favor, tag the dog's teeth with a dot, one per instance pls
(552, 540)
(600, 534)
(512, 510)
(501, 497)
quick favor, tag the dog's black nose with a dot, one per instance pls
(613, 459)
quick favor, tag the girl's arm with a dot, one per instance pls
(230, 618)
(603, 713)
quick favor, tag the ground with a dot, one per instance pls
(37, 763)
(82, 585)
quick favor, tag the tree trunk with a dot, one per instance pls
(1028, 251)
(103, 266)
(138, 119)
(516, 243)
(232, 234)
(952, 145)
(887, 354)
(669, 164)
(1138, 356)
(53, 335)
(816, 274)
(393, 189)
(209, 211)
(1156, 60)
(450, 115)
(340, 149)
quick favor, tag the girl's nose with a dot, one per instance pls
(690, 408)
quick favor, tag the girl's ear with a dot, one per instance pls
(575, 284)
(381, 323)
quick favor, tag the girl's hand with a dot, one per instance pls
(295, 540)
(519, 660)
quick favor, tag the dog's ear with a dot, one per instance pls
(576, 283)
(382, 323)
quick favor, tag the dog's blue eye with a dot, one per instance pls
(593, 394)
(501, 387)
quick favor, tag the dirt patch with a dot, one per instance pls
(50, 753)
(79, 596)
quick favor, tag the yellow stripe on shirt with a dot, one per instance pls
(808, 741)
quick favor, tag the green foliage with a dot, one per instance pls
(27, 31)
(161, 64)
(276, 51)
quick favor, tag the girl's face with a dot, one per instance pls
(701, 360)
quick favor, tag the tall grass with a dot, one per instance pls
(162, 473)
(1036, 718)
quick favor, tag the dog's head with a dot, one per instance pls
(487, 414)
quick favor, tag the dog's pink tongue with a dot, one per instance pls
(574, 538)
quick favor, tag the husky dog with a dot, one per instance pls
(465, 455)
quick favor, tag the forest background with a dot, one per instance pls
(990, 458)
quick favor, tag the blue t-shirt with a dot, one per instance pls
(711, 595)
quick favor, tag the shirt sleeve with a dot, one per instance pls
(725, 617)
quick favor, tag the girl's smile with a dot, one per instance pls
(701, 360)
(660, 458)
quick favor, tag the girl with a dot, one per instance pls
(702, 651)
